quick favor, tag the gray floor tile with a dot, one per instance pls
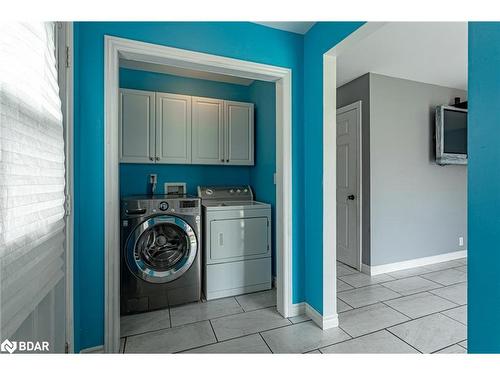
(313, 352)
(172, 340)
(246, 323)
(461, 268)
(299, 318)
(122, 344)
(454, 349)
(247, 344)
(409, 272)
(431, 333)
(342, 306)
(367, 295)
(360, 279)
(444, 265)
(455, 293)
(458, 313)
(343, 270)
(378, 342)
(446, 277)
(145, 322)
(341, 286)
(195, 312)
(259, 300)
(420, 304)
(463, 344)
(303, 337)
(369, 319)
(411, 285)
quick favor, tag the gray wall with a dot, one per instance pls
(416, 208)
(359, 89)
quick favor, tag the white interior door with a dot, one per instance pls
(348, 185)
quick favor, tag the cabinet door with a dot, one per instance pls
(239, 130)
(173, 128)
(208, 131)
(137, 126)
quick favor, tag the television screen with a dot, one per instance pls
(455, 132)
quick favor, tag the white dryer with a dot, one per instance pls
(237, 238)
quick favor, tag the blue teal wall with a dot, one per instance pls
(239, 40)
(484, 188)
(141, 80)
(319, 39)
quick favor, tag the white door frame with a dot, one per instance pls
(330, 317)
(64, 49)
(359, 173)
(114, 48)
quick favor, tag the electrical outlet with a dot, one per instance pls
(460, 241)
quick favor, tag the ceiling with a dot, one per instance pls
(294, 27)
(183, 72)
(429, 52)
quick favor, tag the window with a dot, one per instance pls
(32, 175)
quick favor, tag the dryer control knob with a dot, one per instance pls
(163, 206)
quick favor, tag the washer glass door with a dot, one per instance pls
(161, 249)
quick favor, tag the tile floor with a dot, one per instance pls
(419, 310)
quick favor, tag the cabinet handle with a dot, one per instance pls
(227, 160)
(222, 160)
(151, 158)
(157, 158)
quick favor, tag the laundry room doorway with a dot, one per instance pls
(117, 49)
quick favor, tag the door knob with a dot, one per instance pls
(351, 197)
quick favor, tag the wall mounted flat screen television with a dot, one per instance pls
(451, 135)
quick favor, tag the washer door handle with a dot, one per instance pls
(137, 211)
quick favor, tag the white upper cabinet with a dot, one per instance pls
(173, 128)
(208, 131)
(181, 129)
(239, 133)
(137, 126)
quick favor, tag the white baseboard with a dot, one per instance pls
(93, 350)
(297, 309)
(419, 262)
(323, 322)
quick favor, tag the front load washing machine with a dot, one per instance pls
(160, 252)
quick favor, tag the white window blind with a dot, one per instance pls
(32, 176)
